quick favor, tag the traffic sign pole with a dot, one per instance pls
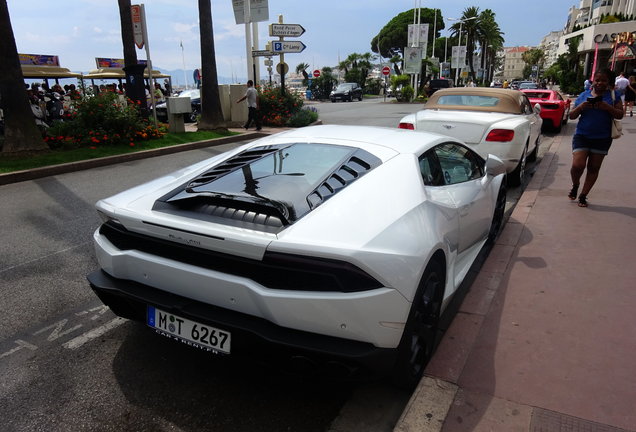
(282, 60)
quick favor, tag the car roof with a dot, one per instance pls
(508, 99)
(398, 140)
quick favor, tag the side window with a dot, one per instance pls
(430, 169)
(458, 164)
(526, 106)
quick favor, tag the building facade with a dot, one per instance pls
(513, 63)
(550, 46)
(590, 12)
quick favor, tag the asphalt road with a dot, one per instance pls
(67, 363)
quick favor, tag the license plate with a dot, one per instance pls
(188, 331)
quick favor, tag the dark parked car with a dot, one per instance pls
(437, 84)
(346, 92)
(195, 101)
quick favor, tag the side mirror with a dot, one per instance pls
(537, 108)
(494, 166)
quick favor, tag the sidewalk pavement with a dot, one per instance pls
(545, 340)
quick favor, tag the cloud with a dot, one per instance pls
(97, 30)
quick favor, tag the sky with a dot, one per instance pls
(77, 31)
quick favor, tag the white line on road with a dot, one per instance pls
(95, 333)
(20, 345)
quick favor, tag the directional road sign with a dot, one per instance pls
(287, 47)
(262, 53)
(286, 30)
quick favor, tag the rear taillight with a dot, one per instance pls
(500, 135)
(409, 126)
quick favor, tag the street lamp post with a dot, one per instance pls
(459, 44)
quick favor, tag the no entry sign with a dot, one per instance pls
(316, 73)
(386, 70)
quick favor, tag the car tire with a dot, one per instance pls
(360, 98)
(567, 117)
(192, 116)
(421, 331)
(518, 174)
(498, 215)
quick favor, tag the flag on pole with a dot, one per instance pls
(594, 64)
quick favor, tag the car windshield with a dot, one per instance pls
(344, 87)
(468, 100)
(528, 86)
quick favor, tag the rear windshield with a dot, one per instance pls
(468, 100)
(538, 95)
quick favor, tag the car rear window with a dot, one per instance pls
(468, 100)
(281, 181)
(538, 95)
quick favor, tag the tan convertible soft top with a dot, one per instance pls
(477, 99)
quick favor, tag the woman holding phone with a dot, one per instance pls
(597, 107)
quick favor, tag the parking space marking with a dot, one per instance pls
(94, 333)
(21, 344)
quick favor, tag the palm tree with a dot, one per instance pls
(396, 61)
(468, 25)
(20, 130)
(302, 68)
(490, 39)
(211, 113)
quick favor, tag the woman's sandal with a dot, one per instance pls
(573, 192)
(582, 200)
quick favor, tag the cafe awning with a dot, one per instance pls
(43, 72)
(117, 73)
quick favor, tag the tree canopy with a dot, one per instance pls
(393, 37)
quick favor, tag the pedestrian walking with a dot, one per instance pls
(252, 106)
(630, 95)
(597, 107)
(620, 84)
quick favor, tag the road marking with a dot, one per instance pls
(21, 344)
(57, 327)
(95, 333)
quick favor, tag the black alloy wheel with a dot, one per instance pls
(498, 215)
(192, 117)
(420, 333)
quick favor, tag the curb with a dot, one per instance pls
(434, 395)
(36, 173)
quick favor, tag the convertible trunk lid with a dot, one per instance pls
(463, 125)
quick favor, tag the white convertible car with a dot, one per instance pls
(494, 121)
(337, 244)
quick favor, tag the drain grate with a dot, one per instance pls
(549, 421)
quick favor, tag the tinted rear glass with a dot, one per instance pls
(538, 95)
(285, 174)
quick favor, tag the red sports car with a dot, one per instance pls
(554, 109)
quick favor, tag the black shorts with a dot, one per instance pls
(593, 145)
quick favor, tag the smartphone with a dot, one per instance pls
(594, 99)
